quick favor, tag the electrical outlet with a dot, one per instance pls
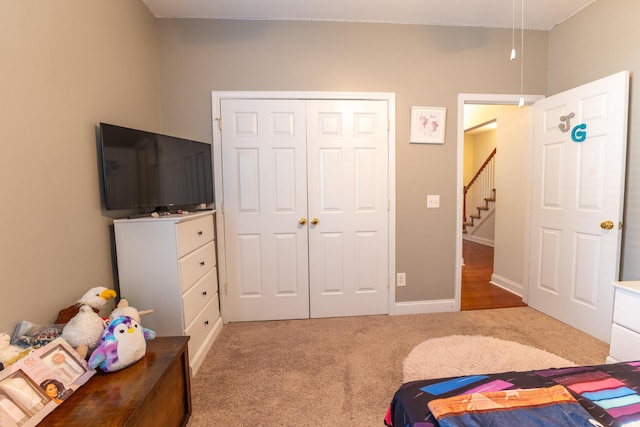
(401, 279)
(433, 201)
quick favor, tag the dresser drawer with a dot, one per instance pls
(202, 325)
(625, 344)
(193, 234)
(625, 309)
(199, 295)
(197, 264)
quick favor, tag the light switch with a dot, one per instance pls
(433, 201)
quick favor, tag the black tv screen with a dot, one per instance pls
(150, 171)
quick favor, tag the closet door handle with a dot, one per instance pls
(315, 221)
(302, 221)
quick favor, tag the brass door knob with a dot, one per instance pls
(302, 221)
(607, 225)
(315, 221)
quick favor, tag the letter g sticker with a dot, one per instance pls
(579, 133)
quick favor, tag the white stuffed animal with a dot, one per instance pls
(9, 353)
(84, 330)
(124, 309)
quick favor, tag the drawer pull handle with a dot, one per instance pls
(201, 263)
(206, 322)
(204, 293)
(199, 232)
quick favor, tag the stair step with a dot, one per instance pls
(490, 199)
(483, 208)
(475, 216)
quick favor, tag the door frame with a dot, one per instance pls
(488, 99)
(218, 96)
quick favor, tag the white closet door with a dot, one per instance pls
(265, 186)
(347, 150)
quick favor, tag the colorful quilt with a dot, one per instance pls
(610, 394)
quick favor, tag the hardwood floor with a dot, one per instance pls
(477, 292)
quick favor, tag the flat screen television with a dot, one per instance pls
(153, 172)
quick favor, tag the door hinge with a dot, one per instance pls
(219, 119)
(226, 287)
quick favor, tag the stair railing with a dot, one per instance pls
(480, 187)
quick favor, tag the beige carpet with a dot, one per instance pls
(457, 355)
(344, 371)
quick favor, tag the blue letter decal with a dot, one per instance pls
(579, 133)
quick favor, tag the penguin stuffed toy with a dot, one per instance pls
(122, 344)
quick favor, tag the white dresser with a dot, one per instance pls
(625, 330)
(168, 264)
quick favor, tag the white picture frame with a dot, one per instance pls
(428, 125)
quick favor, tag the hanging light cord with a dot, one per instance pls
(521, 103)
(513, 31)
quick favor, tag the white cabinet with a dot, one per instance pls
(625, 330)
(168, 264)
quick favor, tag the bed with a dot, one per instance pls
(608, 394)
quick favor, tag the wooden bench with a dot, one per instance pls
(154, 391)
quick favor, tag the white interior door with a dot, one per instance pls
(579, 154)
(284, 235)
(347, 152)
(265, 195)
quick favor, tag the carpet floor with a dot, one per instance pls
(344, 371)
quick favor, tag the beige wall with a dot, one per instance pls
(485, 143)
(424, 66)
(601, 40)
(513, 183)
(66, 65)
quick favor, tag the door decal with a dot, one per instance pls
(578, 133)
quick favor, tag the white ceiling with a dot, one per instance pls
(538, 14)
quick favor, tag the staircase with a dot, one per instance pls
(479, 196)
(472, 219)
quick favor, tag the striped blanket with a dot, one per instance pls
(605, 395)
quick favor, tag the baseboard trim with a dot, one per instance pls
(422, 307)
(481, 240)
(506, 284)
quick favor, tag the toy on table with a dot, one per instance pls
(9, 353)
(124, 309)
(122, 344)
(95, 298)
(83, 331)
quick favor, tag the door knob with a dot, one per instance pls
(302, 221)
(607, 225)
(315, 221)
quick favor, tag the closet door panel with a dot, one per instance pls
(347, 158)
(265, 196)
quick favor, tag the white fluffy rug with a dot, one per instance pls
(457, 355)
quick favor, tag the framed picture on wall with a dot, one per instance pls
(428, 125)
